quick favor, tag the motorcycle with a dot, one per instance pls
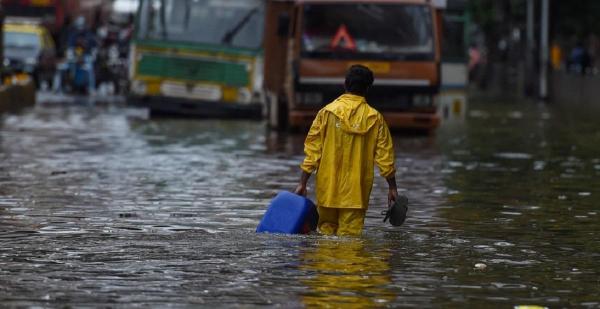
(76, 74)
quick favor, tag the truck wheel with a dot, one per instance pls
(282, 114)
(36, 75)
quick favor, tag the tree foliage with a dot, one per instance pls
(576, 18)
(570, 18)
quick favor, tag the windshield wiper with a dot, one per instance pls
(229, 35)
(163, 19)
(186, 17)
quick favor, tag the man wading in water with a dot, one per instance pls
(345, 140)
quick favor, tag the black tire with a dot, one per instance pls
(36, 79)
(282, 114)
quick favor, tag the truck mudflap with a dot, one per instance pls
(302, 119)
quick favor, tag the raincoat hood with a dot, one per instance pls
(353, 112)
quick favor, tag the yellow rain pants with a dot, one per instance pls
(341, 221)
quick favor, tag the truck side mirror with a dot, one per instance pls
(283, 24)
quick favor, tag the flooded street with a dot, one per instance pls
(100, 206)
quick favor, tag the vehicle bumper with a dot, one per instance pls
(412, 120)
(170, 106)
(396, 120)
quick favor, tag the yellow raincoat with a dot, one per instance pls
(347, 138)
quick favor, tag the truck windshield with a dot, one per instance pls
(236, 23)
(372, 31)
(21, 40)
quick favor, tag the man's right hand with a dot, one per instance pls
(300, 190)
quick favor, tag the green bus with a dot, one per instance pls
(199, 58)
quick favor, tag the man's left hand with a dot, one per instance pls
(392, 196)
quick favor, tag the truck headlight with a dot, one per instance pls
(244, 95)
(309, 98)
(139, 87)
(420, 100)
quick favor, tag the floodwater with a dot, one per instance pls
(100, 206)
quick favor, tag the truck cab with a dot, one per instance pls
(198, 58)
(310, 44)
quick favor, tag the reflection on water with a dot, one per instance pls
(99, 207)
(343, 273)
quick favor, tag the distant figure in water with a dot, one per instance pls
(346, 139)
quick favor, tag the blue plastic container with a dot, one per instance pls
(289, 213)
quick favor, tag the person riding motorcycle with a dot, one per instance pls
(80, 58)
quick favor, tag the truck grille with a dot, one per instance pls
(233, 74)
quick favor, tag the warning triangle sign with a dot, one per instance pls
(342, 37)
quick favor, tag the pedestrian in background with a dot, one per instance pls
(579, 59)
(556, 56)
(347, 138)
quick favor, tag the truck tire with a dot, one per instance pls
(283, 114)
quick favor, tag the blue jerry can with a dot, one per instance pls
(289, 213)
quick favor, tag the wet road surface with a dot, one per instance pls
(100, 206)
